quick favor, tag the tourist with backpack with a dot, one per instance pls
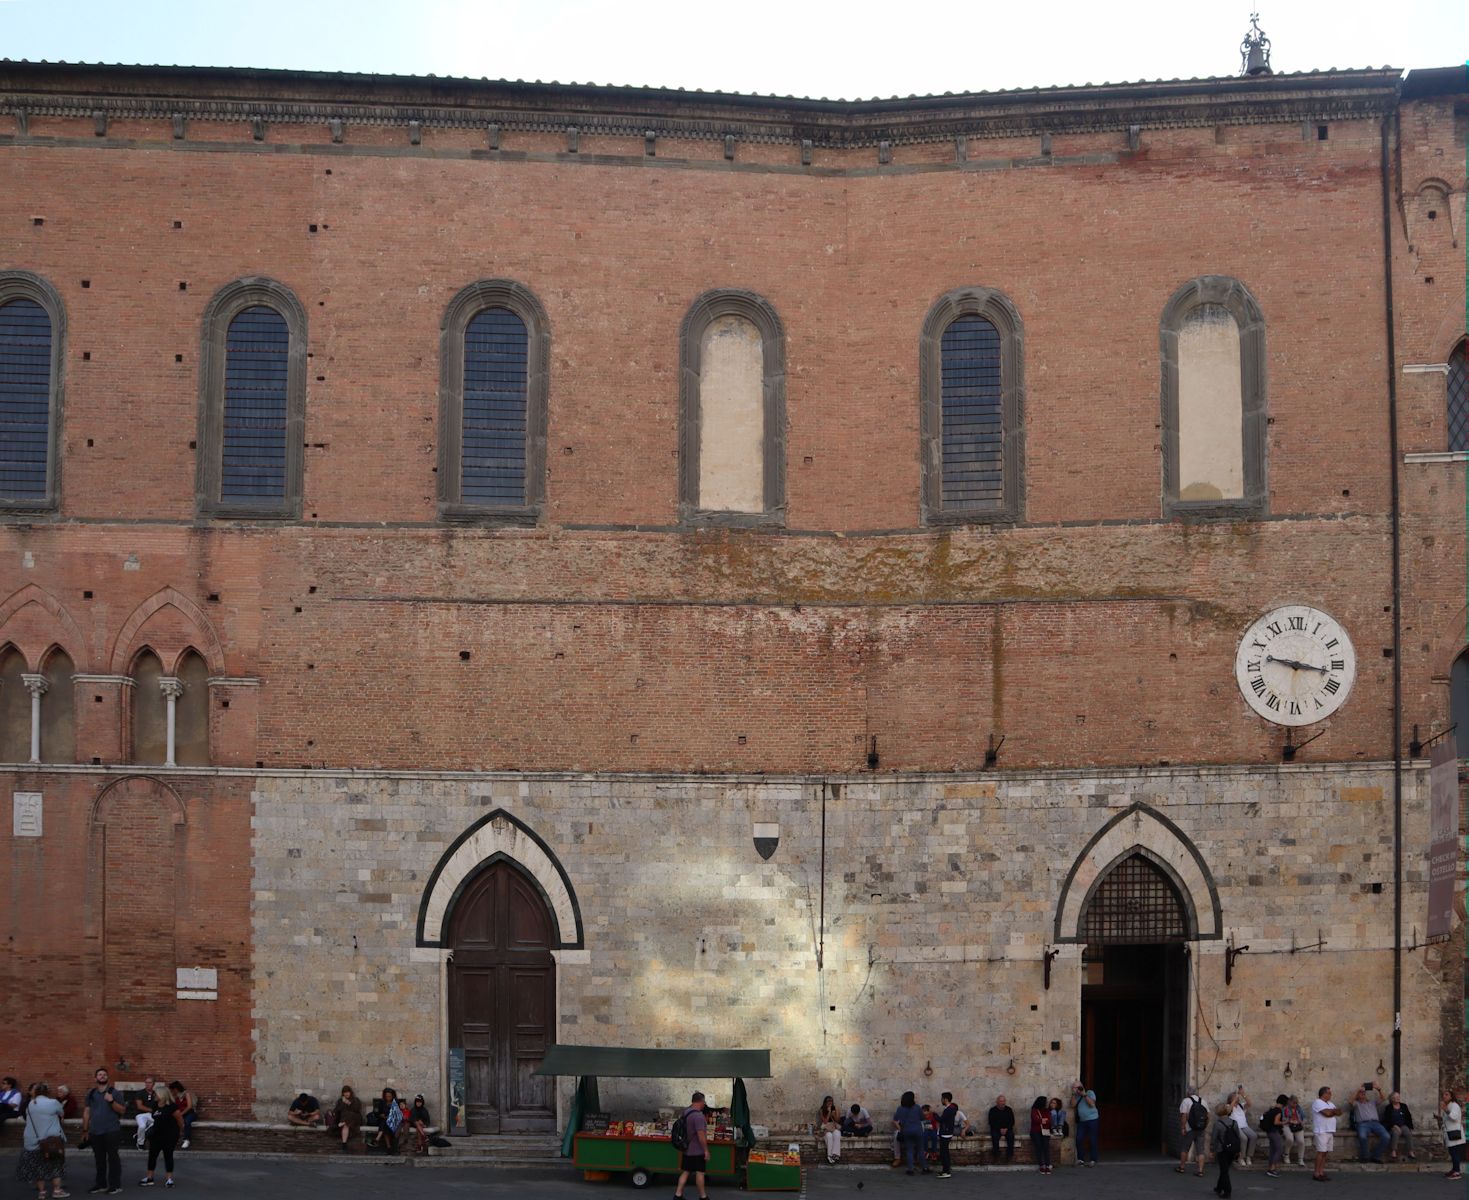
(690, 1137)
(1193, 1129)
(1225, 1142)
(1272, 1125)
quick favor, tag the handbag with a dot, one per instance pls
(52, 1148)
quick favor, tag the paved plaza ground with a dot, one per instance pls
(225, 1177)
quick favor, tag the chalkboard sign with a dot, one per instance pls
(593, 1122)
(458, 1127)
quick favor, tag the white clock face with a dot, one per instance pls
(1295, 665)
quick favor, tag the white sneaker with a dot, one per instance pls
(184, 1145)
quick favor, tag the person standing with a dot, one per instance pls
(102, 1127)
(1398, 1120)
(1295, 1131)
(1273, 1123)
(1040, 1134)
(1088, 1123)
(42, 1121)
(1225, 1142)
(952, 1121)
(831, 1130)
(1193, 1131)
(1451, 1113)
(696, 1153)
(908, 1124)
(1240, 1114)
(1002, 1124)
(168, 1129)
(1323, 1130)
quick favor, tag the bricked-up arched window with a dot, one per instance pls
(15, 707)
(1458, 403)
(972, 397)
(149, 710)
(1213, 365)
(732, 419)
(494, 366)
(32, 336)
(1135, 903)
(191, 716)
(252, 402)
(58, 709)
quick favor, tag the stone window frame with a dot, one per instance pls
(1236, 298)
(26, 285)
(708, 308)
(999, 310)
(468, 303)
(226, 304)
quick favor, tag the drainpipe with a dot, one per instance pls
(1388, 124)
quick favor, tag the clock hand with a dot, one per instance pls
(1296, 666)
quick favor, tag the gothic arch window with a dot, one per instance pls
(32, 354)
(494, 367)
(58, 708)
(149, 710)
(191, 716)
(1457, 396)
(1136, 902)
(732, 401)
(252, 401)
(1459, 702)
(1213, 363)
(15, 708)
(972, 398)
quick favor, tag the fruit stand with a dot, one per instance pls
(642, 1149)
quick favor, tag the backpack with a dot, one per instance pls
(947, 1119)
(1198, 1116)
(1229, 1140)
(679, 1134)
(1267, 1122)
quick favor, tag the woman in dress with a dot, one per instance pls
(831, 1129)
(346, 1116)
(1040, 1133)
(42, 1120)
(166, 1133)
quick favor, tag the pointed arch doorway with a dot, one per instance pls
(1134, 1000)
(502, 998)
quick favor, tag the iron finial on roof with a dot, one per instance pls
(1254, 51)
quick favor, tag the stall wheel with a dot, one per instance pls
(641, 1177)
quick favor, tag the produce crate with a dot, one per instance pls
(766, 1172)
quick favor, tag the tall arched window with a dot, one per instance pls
(191, 712)
(150, 710)
(252, 401)
(32, 332)
(971, 390)
(15, 708)
(1213, 362)
(58, 709)
(1458, 400)
(732, 453)
(494, 352)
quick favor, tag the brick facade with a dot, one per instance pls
(1091, 638)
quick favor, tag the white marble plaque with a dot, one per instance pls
(197, 983)
(27, 814)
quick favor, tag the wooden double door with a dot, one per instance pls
(502, 1000)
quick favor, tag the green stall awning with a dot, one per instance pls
(631, 1062)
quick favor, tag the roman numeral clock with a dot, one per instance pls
(1295, 665)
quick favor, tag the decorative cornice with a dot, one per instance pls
(335, 102)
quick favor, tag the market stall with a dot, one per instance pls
(600, 1143)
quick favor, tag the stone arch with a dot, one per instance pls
(33, 634)
(1139, 829)
(499, 836)
(170, 646)
(134, 786)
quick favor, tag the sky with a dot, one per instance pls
(851, 50)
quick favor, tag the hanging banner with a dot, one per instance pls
(457, 1123)
(1443, 836)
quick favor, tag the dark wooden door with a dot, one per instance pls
(502, 998)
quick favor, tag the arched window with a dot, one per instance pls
(191, 712)
(32, 332)
(1458, 400)
(15, 708)
(972, 409)
(58, 709)
(1134, 903)
(494, 354)
(1213, 360)
(252, 402)
(732, 453)
(150, 710)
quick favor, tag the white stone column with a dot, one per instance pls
(36, 685)
(172, 690)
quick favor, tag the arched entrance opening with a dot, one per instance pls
(1134, 1000)
(502, 998)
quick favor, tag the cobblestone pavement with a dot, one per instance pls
(225, 1177)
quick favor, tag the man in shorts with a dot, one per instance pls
(1323, 1130)
(1193, 1131)
(696, 1154)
